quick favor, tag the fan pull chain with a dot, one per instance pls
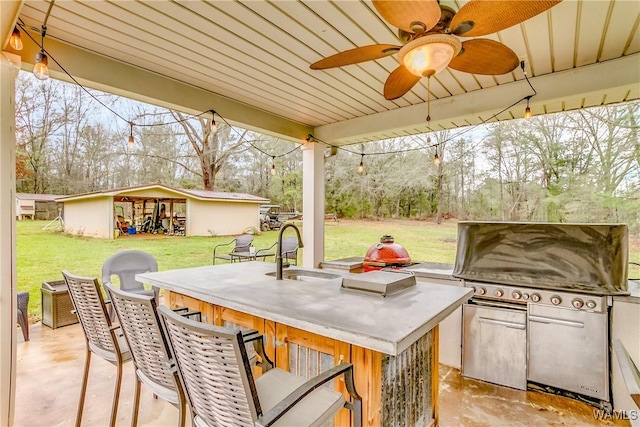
(428, 100)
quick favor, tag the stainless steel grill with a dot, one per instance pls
(540, 310)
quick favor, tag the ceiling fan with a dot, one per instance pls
(430, 35)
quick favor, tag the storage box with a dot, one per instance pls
(56, 305)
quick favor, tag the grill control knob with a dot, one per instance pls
(480, 290)
(556, 300)
(535, 297)
(498, 293)
(516, 295)
(591, 304)
(577, 303)
(525, 296)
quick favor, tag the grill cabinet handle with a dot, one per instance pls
(511, 325)
(548, 320)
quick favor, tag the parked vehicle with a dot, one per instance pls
(269, 217)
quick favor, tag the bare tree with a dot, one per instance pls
(212, 148)
(38, 118)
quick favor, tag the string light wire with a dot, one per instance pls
(298, 146)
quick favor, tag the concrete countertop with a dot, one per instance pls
(433, 270)
(344, 263)
(388, 325)
(634, 293)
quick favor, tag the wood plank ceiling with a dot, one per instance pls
(258, 53)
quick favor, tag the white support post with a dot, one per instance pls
(9, 66)
(313, 204)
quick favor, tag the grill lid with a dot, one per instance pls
(575, 257)
(387, 253)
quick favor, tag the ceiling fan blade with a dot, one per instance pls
(484, 56)
(355, 56)
(407, 15)
(482, 17)
(399, 82)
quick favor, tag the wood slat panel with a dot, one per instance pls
(154, 59)
(563, 27)
(267, 63)
(591, 32)
(178, 300)
(622, 25)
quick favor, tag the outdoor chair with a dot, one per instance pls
(242, 244)
(102, 338)
(125, 265)
(289, 250)
(214, 368)
(149, 349)
(23, 314)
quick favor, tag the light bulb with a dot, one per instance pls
(16, 41)
(273, 169)
(132, 143)
(527, 113)
(214, 126)
(436, 160)
(41, 69)
(361, 167)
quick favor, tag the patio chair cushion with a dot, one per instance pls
(314, 410)
(109, 355)
(272, 387)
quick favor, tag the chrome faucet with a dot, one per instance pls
(279, 249)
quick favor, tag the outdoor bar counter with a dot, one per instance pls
(313, 325)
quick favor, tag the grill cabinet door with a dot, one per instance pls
(568, 349)
(494, 345)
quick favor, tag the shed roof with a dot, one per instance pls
(193, 194)
(39, 197)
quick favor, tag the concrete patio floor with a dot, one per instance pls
(49, 373)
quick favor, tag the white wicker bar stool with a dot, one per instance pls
(221, 391)
(149, 349)
(102, 338)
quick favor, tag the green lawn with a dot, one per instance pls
(42, 255)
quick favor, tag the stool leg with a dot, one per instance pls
(83, 389)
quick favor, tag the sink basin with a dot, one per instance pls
(306, 275)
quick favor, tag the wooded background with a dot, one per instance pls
(582, 166)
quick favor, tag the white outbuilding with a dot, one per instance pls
(157, 208)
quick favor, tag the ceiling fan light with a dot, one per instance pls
(41, 69)
(428, 55)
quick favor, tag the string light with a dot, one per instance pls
(41, 69)
(527, 111)
(214, 126)
(309, 136)
(273, 165)
(436, 160)
(132, 142)
(16, 40)
(41, 57)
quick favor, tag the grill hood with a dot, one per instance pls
(588, 258)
